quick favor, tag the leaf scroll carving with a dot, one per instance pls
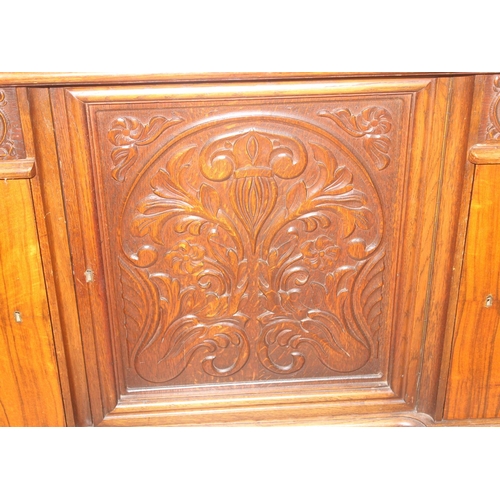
(127, 134)
(253, 245)
(372, 125)
(493, 129)
(7, 149)
(200, 293)
(323, 317)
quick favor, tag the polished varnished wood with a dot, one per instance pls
(30, 394)
(260, 249)
(243, 246)
(17, 169)
(56, 257)
(58, 79)
(474, 382)
(452, 198)
(485, 154)
(11, 135)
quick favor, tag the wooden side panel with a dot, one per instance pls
(474, 383)
(29, 382)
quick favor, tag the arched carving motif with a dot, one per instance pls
(252, 236)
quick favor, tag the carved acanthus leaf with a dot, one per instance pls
(127, 134)
(7, 150)
(493, 129)
(256, 224)
(372, 125)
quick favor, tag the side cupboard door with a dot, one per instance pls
(260, 251)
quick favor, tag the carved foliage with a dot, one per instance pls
(493, 129)
(197, 300)
(7, 149)
(372, 125)
(127, 134)
(225, 264)
(310, 292)
(252, 160)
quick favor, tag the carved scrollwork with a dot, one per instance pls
(373, 125)
(253, 159)
(127, 134)
(253, 240)
(493, 128)
(309, 296)
(7, 149)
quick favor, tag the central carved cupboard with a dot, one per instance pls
(254, 251)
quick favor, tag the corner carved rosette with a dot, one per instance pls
(372, 125)
(7, 150)
(224, 247)
(128, 134)
(493, 129)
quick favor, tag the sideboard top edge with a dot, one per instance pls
(55, 79)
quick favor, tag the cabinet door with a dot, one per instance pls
(30, 393)
(252, 251)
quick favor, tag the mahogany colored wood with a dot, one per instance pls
(485, 154)
(474, 382)
(452, 198)
(57, 79)
(244, 245)
(30, 394)
(56, 256)
(11, 135)
(258, 249)
(17, 169)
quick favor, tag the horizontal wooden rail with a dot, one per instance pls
(17, 169)
(485, 154)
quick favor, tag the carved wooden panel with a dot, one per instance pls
(11, 137)
(489, 126)
(250, 241)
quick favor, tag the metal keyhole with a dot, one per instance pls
(489, 301)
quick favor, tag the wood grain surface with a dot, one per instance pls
(474, 381)
(250, 249)
(256, 249)
(30, 394)
(58, 79)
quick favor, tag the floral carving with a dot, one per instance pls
(320, 253)
(216, 249)
(7, 150)
(253, 159)
(324, 318)
(186, 258)
(493, 129)
(127, 134)
(372, 124)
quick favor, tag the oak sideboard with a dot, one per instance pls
(249, 249)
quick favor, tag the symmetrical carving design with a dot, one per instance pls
(493, 129)
(253, 160)
(127, 134)
(7, 149)
(372, 124)
(251, 240)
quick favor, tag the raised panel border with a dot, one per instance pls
(432, 101)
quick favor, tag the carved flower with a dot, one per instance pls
(125, 131)
(320, 253)
(186, 258)
(375, 121)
